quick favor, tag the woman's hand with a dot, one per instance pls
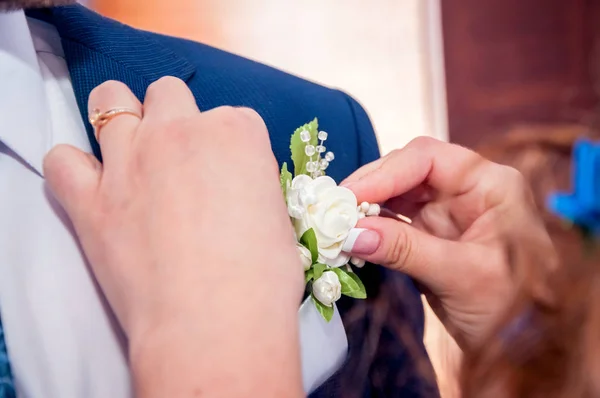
(188, 235)
(467, 216)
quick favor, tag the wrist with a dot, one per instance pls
(206, 350)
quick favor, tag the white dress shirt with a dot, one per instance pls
(59, 335)
(62, 339)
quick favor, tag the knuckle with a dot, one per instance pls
(169, 139)
(179, 133)
(53, 166)
(225, 114)
(505, 171)
(175, 127)
(243, 123)
(110, 88)
(400, 250)
(513, 181)
(251, 115)
(236, 115)
(256, 124)
(53, 156)
(170, 80)
(512, 175)
(395, 153)
(165, 83)
(422, 142)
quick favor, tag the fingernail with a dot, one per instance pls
(361, 241)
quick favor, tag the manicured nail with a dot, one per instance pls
(361, 241)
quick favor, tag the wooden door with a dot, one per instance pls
(513, 61)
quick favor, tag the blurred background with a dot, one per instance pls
(387, 55)
(469, 71)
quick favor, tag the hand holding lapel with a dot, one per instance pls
(198, 262)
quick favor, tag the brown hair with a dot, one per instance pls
(548, 345)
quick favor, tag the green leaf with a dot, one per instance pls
(309, 240)
(308, 275)
(297, 146)
(325, 311)
(318, 270)
(351, 285)
(361, 286)
(285, 178)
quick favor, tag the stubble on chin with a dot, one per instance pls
(14, 5)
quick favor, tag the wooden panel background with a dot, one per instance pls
(509, 61)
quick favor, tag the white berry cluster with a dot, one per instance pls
(365, 209)
(316, 167)
(368, 209)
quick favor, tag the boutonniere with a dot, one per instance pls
(323, 214)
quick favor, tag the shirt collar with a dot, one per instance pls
(23, 107)
(45, 37)
(98, 49)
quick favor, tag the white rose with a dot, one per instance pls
(305, 256)
(326, 208)
(327, 289)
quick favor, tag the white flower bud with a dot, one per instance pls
(305, 256)
(327, 289)
(364, 207)
(358, 262)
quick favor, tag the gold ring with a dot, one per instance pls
(99, 119)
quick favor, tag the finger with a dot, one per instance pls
(168, 99)
(73, 177)
(446, 168)
(116, 135)
(364, 170)
(435, 262)
(411, 201)
(407, 208)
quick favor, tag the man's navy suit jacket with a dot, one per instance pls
(386, 353)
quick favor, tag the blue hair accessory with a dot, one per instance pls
(582, 206)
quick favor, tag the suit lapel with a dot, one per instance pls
(99, 49)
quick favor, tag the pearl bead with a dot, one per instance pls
(329, 156)
(321, 148)
(322, 135)
(361, 215)
(311, 167)
(305, 136)
(309, 150)
(358, 262)
(374, 210)
(323, 164)
(364, 207)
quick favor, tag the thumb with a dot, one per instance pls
(437, 263)
(73, 176)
